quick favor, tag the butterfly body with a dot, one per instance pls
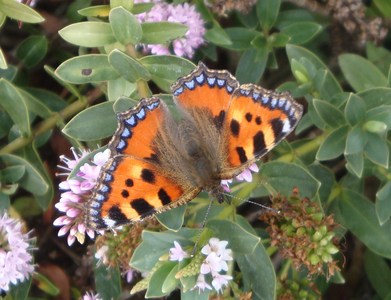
(158, 162)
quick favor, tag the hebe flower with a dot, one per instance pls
(91, 296)
(16, 262)
(179, 13)
(76, 193)
(246, 175)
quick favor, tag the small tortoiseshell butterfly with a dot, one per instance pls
(158, 163)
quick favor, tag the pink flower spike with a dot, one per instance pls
(220, 280)
(211, 264)
(201, 284)
(177, 253)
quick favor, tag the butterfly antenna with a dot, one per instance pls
(202, 227)
(252, 202)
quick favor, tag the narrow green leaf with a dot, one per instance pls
(252, 65)
(383, 203)
(128, 67)
(301, 32)
(170, 282)
(18, 11)
(35, 106)
(240, 38)
(194, 295)
(334, 144)
(126, 28)
(355, 163)
(49, 99)
(376, 97)
(21, 290)
(155, 288)
(360, 72)
(162, 32)
(95, 11)
(166, 69)
(330, 114)
(46, 285)
(88, 34)
(356, 140)
(32, 50)
(86, 68)
(139, 8)
(127, 4)
(381, 114)
(107, 281)
(119, 87)
(73, 90)
(12, 174)
(94, 123)
(377, 150)
(172, 219)
(357, 213)
(355, 109)
(378, 272)
(217, 35)
(14, 104)
(267, 11)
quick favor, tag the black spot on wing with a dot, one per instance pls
(235, 128)
(259, 143)
(154, 158)
(242, 154)
(248, 117)
(219, 119)
(277, 126)
(125, 193)
(142, 207)
(164, 197)
(129, 182)
(258, 120)
(117, 215)
(148, 176)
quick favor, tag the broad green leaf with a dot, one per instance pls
(380, 56)
(355, 109)
(21, 12)
(49, 99)
(267, 12)
(282, 178)
(155, 288)
(330, 114)
(35, 106)
(126, 28)
(139, 8)
(194, 295)
(378, 272)
(383, 203)
(88, 34)
(377, 150)
(217, 35)
(170, 282)
(356, 140)
(355, 212)
(252, 65)
(291, 16)
(384, 7)
(72, 14)
(128, 67)
(376, 97)
(360, 72)
(127, 4)
(172, 219)
(95, 11)
(86, 68)
(325, 176)
(241, 38)
(94, 123)
(107, 281)
(239, 240)
(162, 32)
(119, 87)
(166, 69)
(123, 104)
(14, 104)
(301, 32)
(278, 40)
(12, 173)
(355, 163)
(380, 114)
(21, 290)
(258, 273)
(32, 181)
(333, 145)
(32, 50)
(72, 89)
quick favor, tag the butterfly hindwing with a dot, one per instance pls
(257, 119)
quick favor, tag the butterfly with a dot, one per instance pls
(159, 162)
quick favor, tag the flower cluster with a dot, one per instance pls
(210, 268)
(16, 262)
(91, 296)
(178, 13)
(246, 175)
(76, 192)
(303, 234)
(297, 289)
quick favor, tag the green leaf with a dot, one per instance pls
(172, 219)
(239, 240)
(139, 8)
(252, 65)
(155, 288)
(355, 163)
(127, 4)
(267, 11)
(377, 150)
(170, 282)
(128, 67)
(383, 203)
(107, 281)
(330, 114)
(94, 123)
(384, 7)
(258, 273)
(376, 97)
(95, 11)
(88, 34)
(217, 35)
(86, 68)
(126, 28)
(14, 104)
(49, 99)
(194, 295)
(162, 32)
(166, 69)
(123, 104)
(380, 114)
(355, 109)
(355, 212)
(46, 285)
(3, 62)
(282, 178)
(119, 87)
(21, 290)
(35, 106)
(32, 50)
(360, 72)
(334, 144)
(356, 140)
(378, 273)
(301, 32)
(240, 38)
(12, 174)
(21, 12)
(325, 176)
(278, 40)
(32, 181)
